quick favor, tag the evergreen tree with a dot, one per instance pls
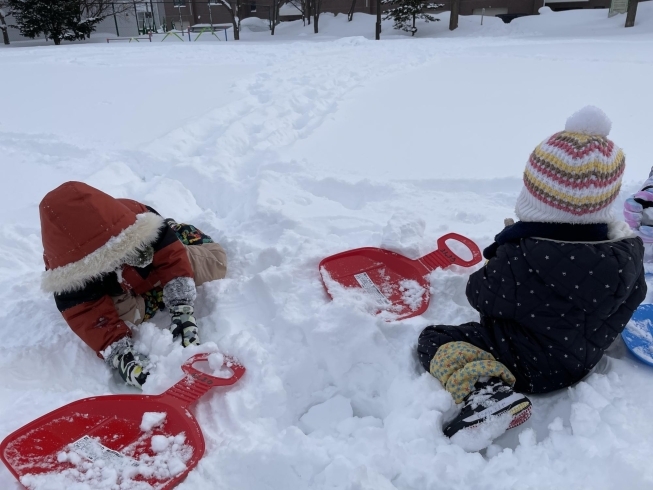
(406, 12)
(55, 19)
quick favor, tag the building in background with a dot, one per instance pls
(190, 12)
(509, 9)
(158, 15)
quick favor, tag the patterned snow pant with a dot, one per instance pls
(208, 260)
(456, 364)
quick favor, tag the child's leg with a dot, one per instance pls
(458, 357)
(433, 336)
(449, 355)
(130, 308)
(209, 262)
(207, 258)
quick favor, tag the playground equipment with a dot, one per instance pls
(130, 39)
(199, 29)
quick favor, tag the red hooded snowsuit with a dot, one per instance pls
(86, 236)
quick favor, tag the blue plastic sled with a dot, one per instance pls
(638, 334)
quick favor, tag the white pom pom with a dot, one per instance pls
(589, 120)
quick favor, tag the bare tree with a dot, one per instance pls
(317, 7)
(233, 8)
(101, 9)
(350, 15)
(632, 13)
(302, 7)
(3, 24)
(378, 20)
(274, 16)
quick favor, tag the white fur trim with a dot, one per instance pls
(589, 120)
(105, 259)
(618, 230)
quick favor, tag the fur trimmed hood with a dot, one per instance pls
(87, 233)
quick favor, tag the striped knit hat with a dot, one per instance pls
(573, 176)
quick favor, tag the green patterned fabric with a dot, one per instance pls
(188, 234)
(459, 365)
(153, 302)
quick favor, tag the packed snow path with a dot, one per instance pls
(287, 153)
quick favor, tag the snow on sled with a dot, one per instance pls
(638, 334)
(138, 442)
(396, 283)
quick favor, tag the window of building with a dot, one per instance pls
(179, 3)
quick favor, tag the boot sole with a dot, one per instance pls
(520, 412)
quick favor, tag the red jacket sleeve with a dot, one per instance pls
(97, 323)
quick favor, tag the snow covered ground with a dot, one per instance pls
(287, 152)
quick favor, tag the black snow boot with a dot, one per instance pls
(489, 400)
(132, 366)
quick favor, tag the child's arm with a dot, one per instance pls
(93, 317)
(638, 211)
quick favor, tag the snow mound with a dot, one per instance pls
(255, 24)
(481, 436)
(326, 415)
(404, 233)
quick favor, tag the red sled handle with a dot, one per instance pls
(196, 383)
(212, 381)
(444, 256)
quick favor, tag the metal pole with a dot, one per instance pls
(153, 20)
(210, 16)
(378, 20)
(138, 29)
(453, 19)
(181, 21)
(482, 15)
(115, 20)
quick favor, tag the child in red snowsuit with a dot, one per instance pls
(112, 263)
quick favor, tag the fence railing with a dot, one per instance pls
(165, 15)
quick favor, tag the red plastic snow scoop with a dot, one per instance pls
(97, 433)
(397, 283)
